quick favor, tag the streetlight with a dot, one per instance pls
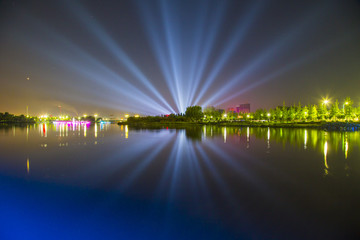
(325, 103)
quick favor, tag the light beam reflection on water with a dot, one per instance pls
(191, 170)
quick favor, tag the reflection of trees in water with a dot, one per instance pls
(194, 133)
(335, 147)
(300, 137)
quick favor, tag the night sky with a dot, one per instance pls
(157, 57)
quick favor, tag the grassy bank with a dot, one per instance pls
(224, 123)
(336, 126)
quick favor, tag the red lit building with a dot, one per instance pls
(243, 108)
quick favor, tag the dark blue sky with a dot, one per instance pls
(154, 57)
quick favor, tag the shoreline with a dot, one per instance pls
(327, 126)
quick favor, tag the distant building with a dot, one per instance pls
(243, 108)
(232, 109)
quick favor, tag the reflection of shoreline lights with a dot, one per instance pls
(126, 131)
(27, 165)
(95, 130)
(43, 129)
(247, 134)
(325, 158)
(247, 137)
(64, 126)
(27, 132)
(346, 146)
(305, 139)
(268, 138)
(204, 130)
(105, 122)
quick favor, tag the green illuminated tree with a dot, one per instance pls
(348, 109)
(194, 113)
(299, 112)
(357, 112)
(285, 112)
(278, 113)
(292, 113)
(322, 111)
(304, 113)
(260, 114)
(212, 114)
(231, 115)
(335, 111)
(313, 113)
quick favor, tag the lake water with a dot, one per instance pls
(113, 182)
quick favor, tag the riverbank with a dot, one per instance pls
(327, 126)
(17, 122)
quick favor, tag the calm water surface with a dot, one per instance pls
(113, 182)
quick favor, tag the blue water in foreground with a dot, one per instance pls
(115, 182)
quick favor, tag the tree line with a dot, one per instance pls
(324, 111)
(312, 112)
(11, 118)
